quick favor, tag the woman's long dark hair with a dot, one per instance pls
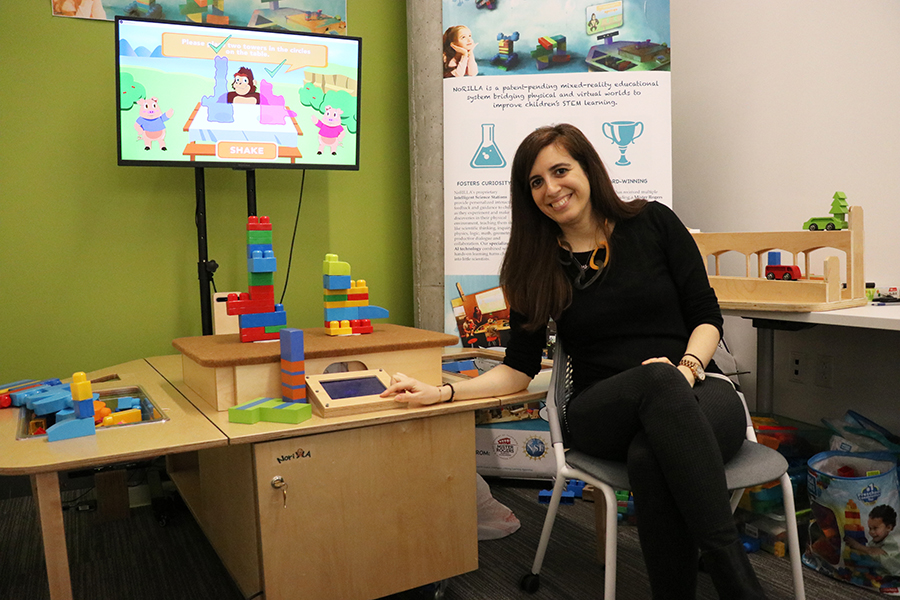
(532, 277)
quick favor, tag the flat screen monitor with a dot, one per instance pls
(201, 95)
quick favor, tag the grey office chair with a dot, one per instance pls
(754, 464)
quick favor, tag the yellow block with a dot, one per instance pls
(81, 387)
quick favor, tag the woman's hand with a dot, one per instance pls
(408, 390)
(688, 374)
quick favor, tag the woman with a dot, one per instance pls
(628, 290)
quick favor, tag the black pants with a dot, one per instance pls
(674, 440)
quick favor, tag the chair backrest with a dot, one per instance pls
(558, 391)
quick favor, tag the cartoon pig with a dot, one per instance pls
(331, 132)
(151, 125)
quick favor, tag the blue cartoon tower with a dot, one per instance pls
(260, 318)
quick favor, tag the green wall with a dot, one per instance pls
(98, 263)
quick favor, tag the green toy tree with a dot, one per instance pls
(130, 91)
(839, 207)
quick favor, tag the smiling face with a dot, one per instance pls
(464, 38)
(560, 189)
(878, 530)
(241, 85)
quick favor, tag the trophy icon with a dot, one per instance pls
(623, 133)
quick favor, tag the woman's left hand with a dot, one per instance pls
(684, 370)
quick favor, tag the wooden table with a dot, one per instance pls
(185, 430)
(375, 503)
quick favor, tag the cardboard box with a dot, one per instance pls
(518, 449)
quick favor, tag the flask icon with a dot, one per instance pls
(488, 155)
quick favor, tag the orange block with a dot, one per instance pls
(293, 379)
(293, 366)
(293, 394)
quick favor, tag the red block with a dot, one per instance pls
(258, 224)
(5, 401)
(361, 326)
(357, 297)
(262, 292)
(244, 305)
(255, 334)
(293, 379)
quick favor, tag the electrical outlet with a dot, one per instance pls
(824, 371)
(797, 367)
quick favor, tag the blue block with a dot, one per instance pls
(65, 414)
(84, 409)
(291, 344)
(72, 428)
(261, 247)
(261, 262)
(373, 312)
(293, 387)
(127, 403)
(774, 258)
(272, 319)
(336, 282)
(575, 486)
(346, 313)
(21, 398)
(51, 403)
(16, 384)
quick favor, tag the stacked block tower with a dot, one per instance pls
(260, 318)
(292, 407)
(550, 50)
(506, 58)
(347, 309)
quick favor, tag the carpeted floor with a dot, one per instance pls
(138, 559)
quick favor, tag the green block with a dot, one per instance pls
(276, 411)
(335, 297)
(259, 237)
(247, 412)
(261, 278)
(274, 328)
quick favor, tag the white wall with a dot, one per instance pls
(776, 105)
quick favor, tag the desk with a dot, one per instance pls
(376, 503)
(766, 322)
(186, 430)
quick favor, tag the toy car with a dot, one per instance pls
(786, 272)
(828, 223)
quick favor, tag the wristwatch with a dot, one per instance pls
(695, 367)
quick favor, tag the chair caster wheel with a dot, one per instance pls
(530, 583)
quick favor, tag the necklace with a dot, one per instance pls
(582, 279)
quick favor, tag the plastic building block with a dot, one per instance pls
(243, 304)
(5, 401)
(51, 403)
(66, 414)
(276, 411)
(20, 398)
(132, 415)
(254, 279)
(361, 326)
(373, 312)
(545, 495)
(262, 262)
(332, 266)
(336, 282)
(257, 334)
(36, 425)
(258, 224)
(262, 292)
(347, 313)
(338, 328)
(292, 345)
(81, 387)
(259, 237)
(247, 412)
(84, 409)
(71, 428)
(251, 248)
(101, 411)
(278, 317)
(576, 486)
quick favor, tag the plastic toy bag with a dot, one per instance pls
(494, 519)
(855, 501)
(856, 433)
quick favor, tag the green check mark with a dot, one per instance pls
(271, 72)
(220, 46)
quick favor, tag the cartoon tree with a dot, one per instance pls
(839, 207)
(312, 96)
(130, 91)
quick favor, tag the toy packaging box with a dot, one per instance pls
(854, 503)
(517, 449)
